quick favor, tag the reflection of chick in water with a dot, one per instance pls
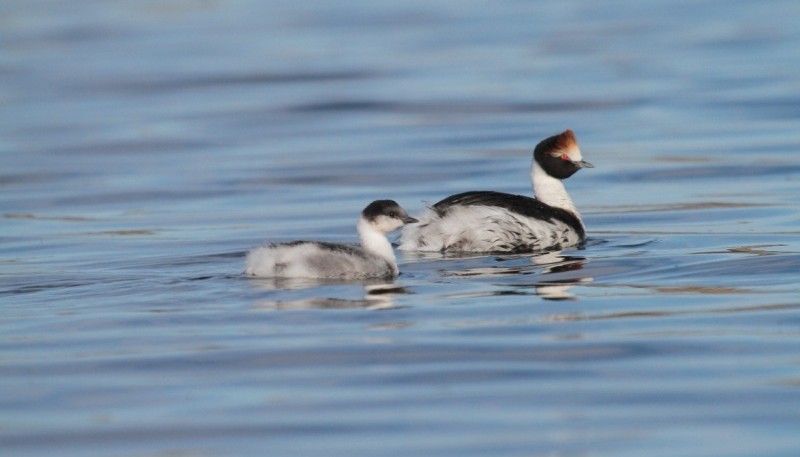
(376, 296)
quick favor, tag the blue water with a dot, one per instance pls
(146, 146)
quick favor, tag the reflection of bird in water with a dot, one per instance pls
(487, 221)
(316, 259)
(556, 262)
(553, 278)
(559, 291)
(550, 262)
(376, 296)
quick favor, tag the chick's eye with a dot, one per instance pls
(392, 214)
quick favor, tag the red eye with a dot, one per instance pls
(565, 156)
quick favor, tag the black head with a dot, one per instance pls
(559, 155)
(388, 209)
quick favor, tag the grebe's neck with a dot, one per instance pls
(551, 190)
(375, 242)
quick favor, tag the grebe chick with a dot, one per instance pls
(486, 221)
(317, 259)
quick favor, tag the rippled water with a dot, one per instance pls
(146, 146)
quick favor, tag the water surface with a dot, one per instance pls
(145, 147)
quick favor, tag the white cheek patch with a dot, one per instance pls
(386, 224)
(573, 152)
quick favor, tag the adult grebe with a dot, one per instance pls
(486, 221)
